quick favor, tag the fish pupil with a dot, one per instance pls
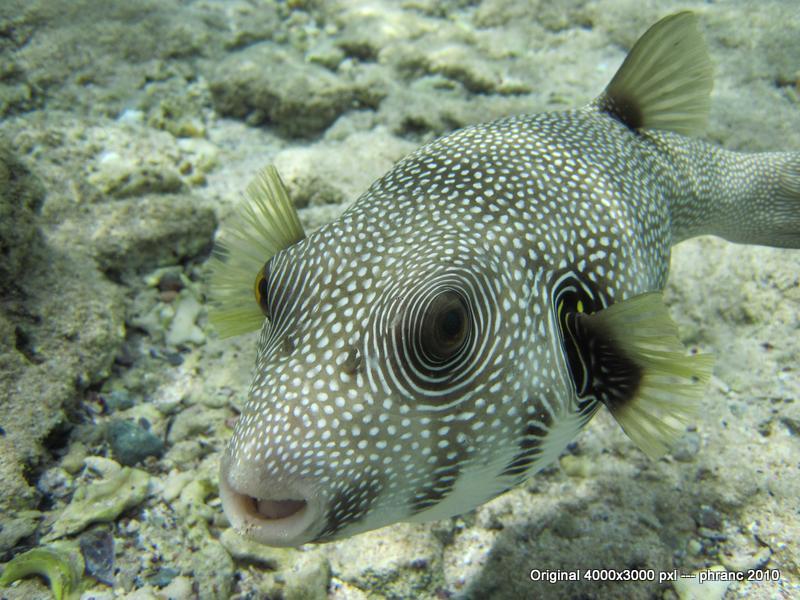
(450, 323)
(445, 327)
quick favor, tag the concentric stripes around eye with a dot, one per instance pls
(395, 334)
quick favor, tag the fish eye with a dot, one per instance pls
(261, 289)
(444, 328)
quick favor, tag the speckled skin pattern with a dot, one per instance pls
(346, 405)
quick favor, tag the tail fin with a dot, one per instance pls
(744, 198)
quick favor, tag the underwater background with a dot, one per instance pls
(128, 132)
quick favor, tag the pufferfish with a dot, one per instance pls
(454, 329)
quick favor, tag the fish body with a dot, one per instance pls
(456, 327)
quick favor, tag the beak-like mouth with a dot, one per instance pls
(288, 518)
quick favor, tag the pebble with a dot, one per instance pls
(175, 483)
(97, 547)
(131, 443)
(180, 588)
(118, 400)
(690, 588)
(105, 467)
(162, 577)
(793, 425)
(170, 281)
(576, 466)
(183, 328)
(686, 448)
(55, 482)
(709, 518)
(742, 561)
(694, 547)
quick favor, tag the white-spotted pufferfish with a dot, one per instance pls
(454, 329)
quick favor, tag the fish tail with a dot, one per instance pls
(744, 198)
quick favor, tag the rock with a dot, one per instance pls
(72, 461)
(793, 425)
(686, 447)
(128, 161)
(123, 176)
(55, 482)
(326, 54)
(180, 588)
(192, 500)
(577, 466)
(308, 577)
(368, 32)
(295, 575)
(163, 577)
(433, 105)
(97, 547)
(131, 444)
(52, 346)
(245, 550)
(105, 467)
(566, 526)
(494, 13)
(177, 106)
(61, 563)
(461, 63)
(193, 421)
(21, 196)
(17, 526)
(213, 571)
(403, 561)
(742, 561)
(709, 518)
(101, 502)
(319, 174)
(691, 588)
(136, 235)
(175, 483)
(183, 328)
(267, 84)
(118, 400)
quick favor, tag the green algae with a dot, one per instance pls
(102, 501)
(61, 563)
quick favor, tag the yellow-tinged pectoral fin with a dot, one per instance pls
(266, 223)
(641, 371)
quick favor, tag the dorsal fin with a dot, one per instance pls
(665, 81)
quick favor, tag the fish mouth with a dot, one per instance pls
(286, 517)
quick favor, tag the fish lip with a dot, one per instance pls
(242, 511)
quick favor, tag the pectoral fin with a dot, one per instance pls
(633, 362)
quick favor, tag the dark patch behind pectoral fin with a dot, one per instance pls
(640, 370)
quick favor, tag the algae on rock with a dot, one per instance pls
(102, 501)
